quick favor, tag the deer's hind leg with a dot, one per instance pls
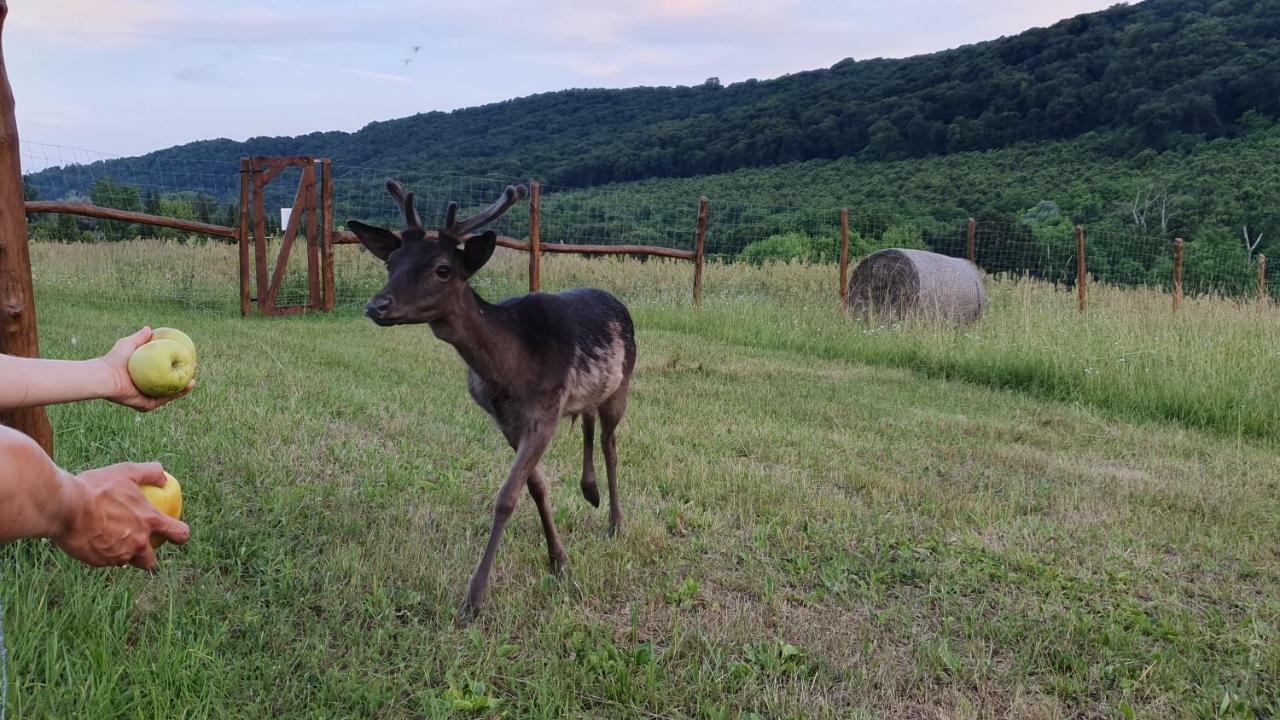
(590, 490)
(611, 412)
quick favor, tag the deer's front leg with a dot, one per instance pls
(533, 443)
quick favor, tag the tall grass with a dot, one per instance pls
(1210, 366)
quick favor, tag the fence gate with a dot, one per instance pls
(311, 216)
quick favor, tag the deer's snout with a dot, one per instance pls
(377, 308)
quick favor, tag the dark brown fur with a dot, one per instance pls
(533, 359)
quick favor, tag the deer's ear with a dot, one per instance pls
(477, 251)
(381, 242)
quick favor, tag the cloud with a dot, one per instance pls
(115, 24)
(387, 77)
(276, 59)
(118, 23)
(201, 75)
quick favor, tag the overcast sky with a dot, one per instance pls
(128, 76)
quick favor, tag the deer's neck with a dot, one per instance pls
(475, 329)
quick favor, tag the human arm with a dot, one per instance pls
(99, 517)
(29, 382)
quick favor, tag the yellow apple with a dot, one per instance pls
(162, 368)
(167, 499)
(177, 336)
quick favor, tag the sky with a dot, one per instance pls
(123, 77)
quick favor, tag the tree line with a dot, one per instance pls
(1156, 75)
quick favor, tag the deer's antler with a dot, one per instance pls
(460, 228)
(404, 199)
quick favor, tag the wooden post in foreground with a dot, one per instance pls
(1081, 267)
(1177, 275)
(844, 254)
(535, 235)
(1262, 280)
(315, 291)
(17, 292)
(260, 243)
(972, 236)
(326, 230)
(242, 237)
(699, 251)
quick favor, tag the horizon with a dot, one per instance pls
(82, 73)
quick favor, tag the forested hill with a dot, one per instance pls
(1152, 75)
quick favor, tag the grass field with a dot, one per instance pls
(1046, 516)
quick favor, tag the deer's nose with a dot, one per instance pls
(377, 307)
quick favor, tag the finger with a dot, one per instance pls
(147, 404)
(175, 531)
(185, 391)
(151, 473)
(145, 559)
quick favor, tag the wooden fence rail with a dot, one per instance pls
(94, 211)
(349, 238)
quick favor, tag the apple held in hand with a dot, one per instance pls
(167, 499)
(163, 368)
(166, 333)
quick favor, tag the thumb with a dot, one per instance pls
(151, 473)
(140, 338)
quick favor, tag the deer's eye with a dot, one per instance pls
(443, 272)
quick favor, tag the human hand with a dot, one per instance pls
(110, 522)
(121, 389)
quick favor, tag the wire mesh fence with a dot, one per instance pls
(118, 262)
(114, 261)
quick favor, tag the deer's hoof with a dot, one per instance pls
(615, 527)
(468, 613)
(591, 492)
(558, 565)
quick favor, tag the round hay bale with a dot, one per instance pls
(900, 284)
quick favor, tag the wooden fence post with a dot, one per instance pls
(242, 237)
(315, 290)
(1177, 274)
(972, 236)
(326, 228)
(17, 291)
(260, 243)
(535, 235)
(699, 251)
(1081, 266)
(844, 255)
(1262, 280)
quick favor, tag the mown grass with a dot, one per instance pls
(808, 536)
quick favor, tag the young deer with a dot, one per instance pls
(533, 359)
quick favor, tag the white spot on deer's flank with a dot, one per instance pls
(591, 381)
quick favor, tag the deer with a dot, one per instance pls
(532, 360)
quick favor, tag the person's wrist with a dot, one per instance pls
(71, 499)
(106, 379)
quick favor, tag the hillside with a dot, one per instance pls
(1211, 186)
(1155, 75)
